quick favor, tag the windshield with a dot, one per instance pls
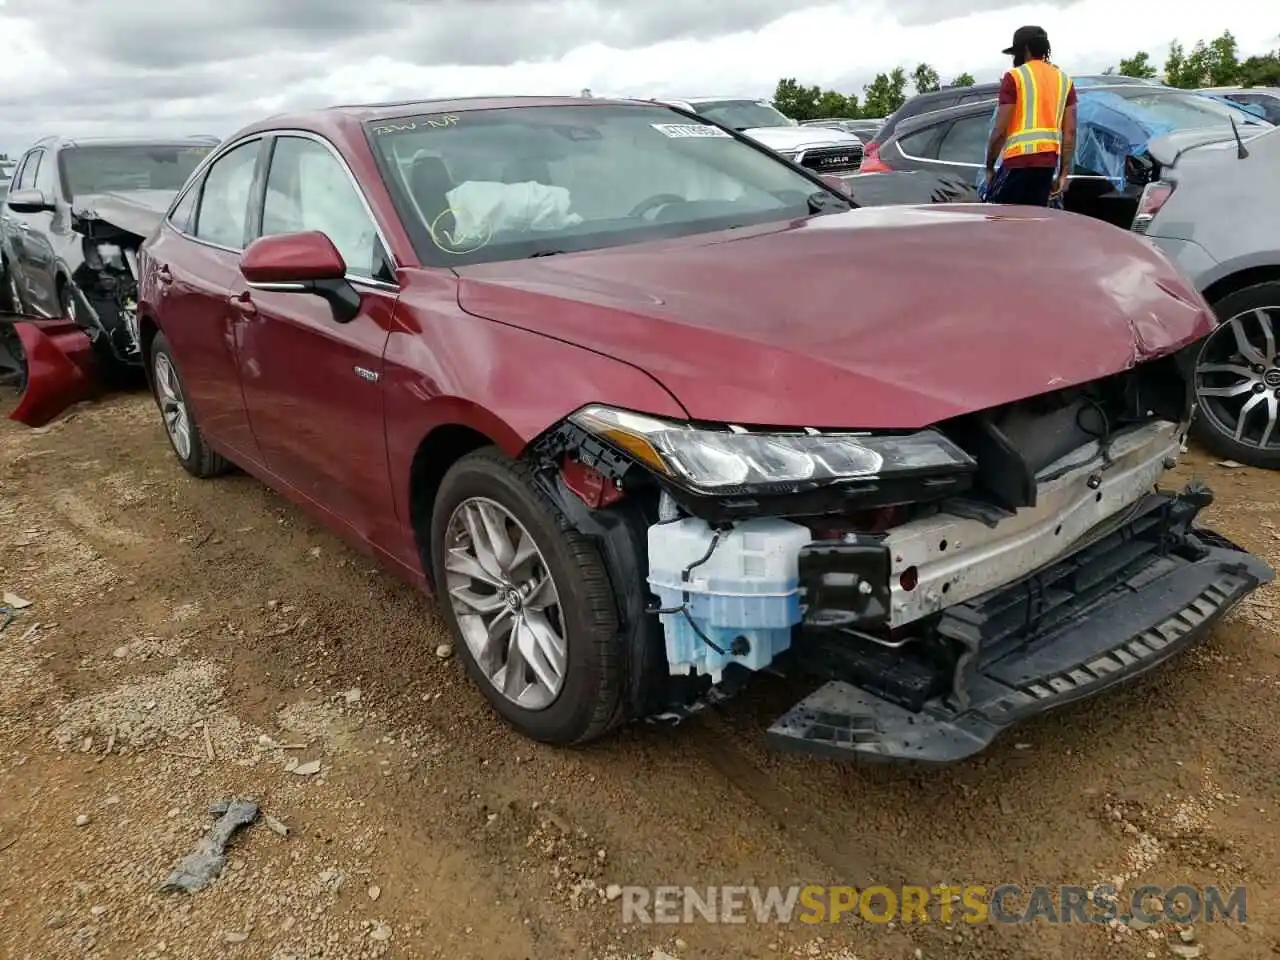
(1185, 111)
(743, 114)
(134, 167)
(485, 185)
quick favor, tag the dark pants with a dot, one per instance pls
(1027, 186)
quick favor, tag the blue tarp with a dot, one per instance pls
(1109, 129)
(1251, 108)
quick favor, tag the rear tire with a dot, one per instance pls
(1237, 378)
(532, 543)
(188, 443)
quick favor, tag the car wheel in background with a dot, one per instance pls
(528, 601)
(184, 434)
(1237, 378)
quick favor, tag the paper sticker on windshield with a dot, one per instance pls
(678, 131)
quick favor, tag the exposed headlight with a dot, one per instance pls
(713, 460)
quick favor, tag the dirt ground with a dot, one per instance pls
(188, 642)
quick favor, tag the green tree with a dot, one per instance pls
(812, 103)
(964, 80)
(1175, 65)
(833, 104)
(796, 101)
(925, 79)
(1139, 65)
(1262, 71)
(1208, 64)
(1224, 60)
(885, 94)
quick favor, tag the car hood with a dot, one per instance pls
(879, 318)
(135, 211)
(797, 138)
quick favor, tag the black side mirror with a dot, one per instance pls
(29, 201)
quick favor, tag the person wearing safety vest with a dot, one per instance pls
(1033, 138)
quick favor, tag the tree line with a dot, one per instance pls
(1213, 64)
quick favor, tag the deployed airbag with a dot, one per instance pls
(482, 209)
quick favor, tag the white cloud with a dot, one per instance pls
(48, 86)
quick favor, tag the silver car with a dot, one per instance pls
(820, 149)
(1214, 211)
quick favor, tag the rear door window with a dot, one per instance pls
(966, 141)
(224, 202)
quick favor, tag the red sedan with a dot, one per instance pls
(595, 372)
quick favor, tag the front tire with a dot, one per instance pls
(528, 601)
(188, 443)
(1237, 378)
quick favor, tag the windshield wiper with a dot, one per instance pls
(820, 201)
(544, 253)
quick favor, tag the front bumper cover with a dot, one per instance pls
(1116, 608)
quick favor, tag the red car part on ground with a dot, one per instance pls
(60, 368)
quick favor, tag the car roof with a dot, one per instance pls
(1269, 91)
(60, 142)
(349, 116)
(909, 125)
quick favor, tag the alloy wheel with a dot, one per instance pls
(173, 406)
(505, 602)
(1238, 378)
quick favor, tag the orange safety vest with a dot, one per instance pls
(1036, 125)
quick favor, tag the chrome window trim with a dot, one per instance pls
(335, 153)
(897, 145)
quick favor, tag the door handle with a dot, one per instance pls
(243, 304)
(24, 227)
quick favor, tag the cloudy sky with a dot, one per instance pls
(206, 66)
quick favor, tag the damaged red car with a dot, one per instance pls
(590, 370)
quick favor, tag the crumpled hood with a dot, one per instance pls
(136, 211)
(886, 317)
(796, 138)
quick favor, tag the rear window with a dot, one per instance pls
(743, 114)
(134, 167)
(1184, 111)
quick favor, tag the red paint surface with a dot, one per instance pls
(887, 317)
(59, 369)
(292, 257)
(588, 484)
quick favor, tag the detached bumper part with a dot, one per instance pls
(59, 369)
(1116, 608)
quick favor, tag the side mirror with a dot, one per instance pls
(29, 201)
(302, 263)
(839, 184)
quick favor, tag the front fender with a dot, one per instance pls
(60, 369)
(504, 382)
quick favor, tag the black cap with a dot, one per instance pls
(1023, 36)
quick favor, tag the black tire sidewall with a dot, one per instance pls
(1265, 295)
(569, 717)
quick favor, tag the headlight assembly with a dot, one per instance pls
(719, 460)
